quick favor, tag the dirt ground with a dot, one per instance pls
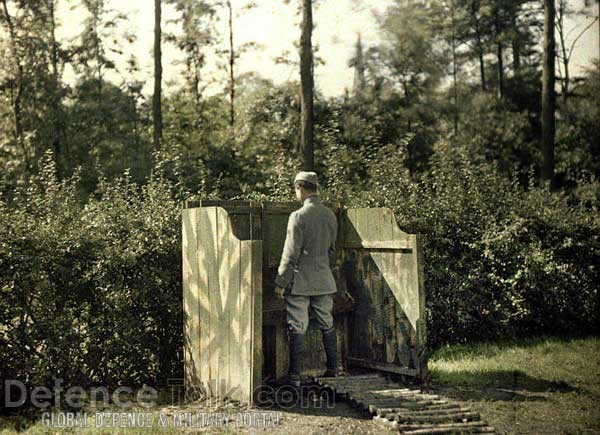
(301, 415)
(284, 413)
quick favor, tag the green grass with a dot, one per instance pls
(544, 385)
(534, 386)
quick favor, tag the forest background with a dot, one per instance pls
(442, 122)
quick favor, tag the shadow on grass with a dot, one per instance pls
(461, 351)
(502, 385)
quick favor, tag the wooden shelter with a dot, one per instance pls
(235, 335)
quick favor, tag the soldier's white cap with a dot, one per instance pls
(308, 176)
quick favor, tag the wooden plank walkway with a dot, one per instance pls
(408, 410)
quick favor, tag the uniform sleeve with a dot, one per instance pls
(292, 247)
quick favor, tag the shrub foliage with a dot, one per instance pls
(92, 294)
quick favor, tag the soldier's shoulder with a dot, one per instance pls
(304, 208)
(296, 216)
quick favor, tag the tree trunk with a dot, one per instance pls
(563, 58)
(480, 55)
(231, 72)
(516, 42)
(473, 11)
(156, 100)
(566, 77)
(454, 67)
(19, 85)
(56, 109)
(482, 70)
(500, 70)
(306, 79)
(359, 69)
(97, 44)
(499, 55)
(548, 93)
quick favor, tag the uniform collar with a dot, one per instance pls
(311, 199)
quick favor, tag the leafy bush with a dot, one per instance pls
(493, 130)
(91, 294)
(577, 133)
(499, 261)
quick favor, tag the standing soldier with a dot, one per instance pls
(304, 276)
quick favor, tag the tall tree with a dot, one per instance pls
(29, 72)
(195, 21)
(157, 96)
(448, 20)
(454, 45)
(475, 32)
(566, 48)
(233, 54)
(499, 37)
(524, 22)
(231, 71)
(17, 83)
(307, 86)
(411, 56)
(358, 63)
(91, 57)
(60, 154)
(517, 23)
(412, 60)
(514, 9)
(548, 92)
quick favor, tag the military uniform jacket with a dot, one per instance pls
(310, 241)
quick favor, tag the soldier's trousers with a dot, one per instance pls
(297, 312)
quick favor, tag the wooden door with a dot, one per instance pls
(383, 269)
(222, 285)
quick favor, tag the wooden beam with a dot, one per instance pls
(378, 245)
(385, 367)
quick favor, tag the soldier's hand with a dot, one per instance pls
(279, 292)
(349, 296)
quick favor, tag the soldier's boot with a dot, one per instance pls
(330, 345)
(296, 342)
